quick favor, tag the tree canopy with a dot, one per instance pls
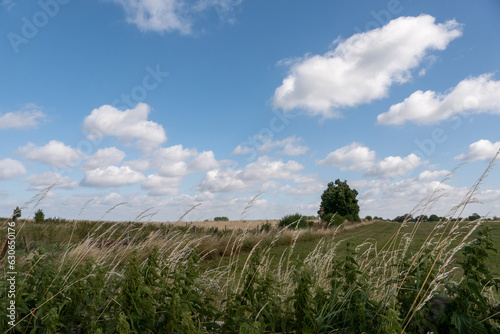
(340, 199)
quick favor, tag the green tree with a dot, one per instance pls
(39, 216)
(434, 218)
(339, 198)
(474, 216)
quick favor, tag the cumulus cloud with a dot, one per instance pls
(55, 154)
(480, 150)
(221, 180)
(204, 161)
(264, 169)
(28, 117)
(391, 167)
(471, 96)
(130, 126)
(363, 67)
(157, 185)
(353, 157)
(10, 168)
(48, 179)
(104, 157)
(255, 173)
(389, 199)
(111, 176)
(289, 146)
(179, 161)
(305, 185)
(356, 157)
(173, 15)
(428, 175)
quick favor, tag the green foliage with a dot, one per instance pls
(339, 198)
(434, 218)
(369, 218)
(266, 227)
(333, 219)
(157, 292)
(39, 216)
(403, 218)
(17, 213)
(221, 219)
(303, 303)
(295, 221)
(474, 216)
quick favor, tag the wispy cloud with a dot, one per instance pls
(173, 15)
(30, 116)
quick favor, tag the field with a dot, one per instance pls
(230, 277)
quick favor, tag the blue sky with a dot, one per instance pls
(167, 104)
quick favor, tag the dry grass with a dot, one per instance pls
(223, 225)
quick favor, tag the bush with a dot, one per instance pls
(295, 221)
(400, 219)
(266, 227)
(434, 218)
(368, 218)
(334, 219)
(39, 216)
(17, 213)
(474, 216)
(221, 219)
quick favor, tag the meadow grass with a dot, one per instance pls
(142, 277)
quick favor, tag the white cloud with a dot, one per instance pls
(157, 15)
(265, 169)
(173, 168)
(10, 169)
(224, 8)
(157, 185)
(221, 180)
(173, 15)
(55, 154)
(28, 117)
(306, 184)
(392, 167)
(255, 173)
(129, 126)
(203, 162)
(171, 161)
(289, 146)
(138, 165)
(104, 157)
(47, 179)
(470, 96)
(480, 150)
(111, 176)
(428, 175)
(390, 199)
(175, 153)
(363, 67)
(352, 157)
(357, 157)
